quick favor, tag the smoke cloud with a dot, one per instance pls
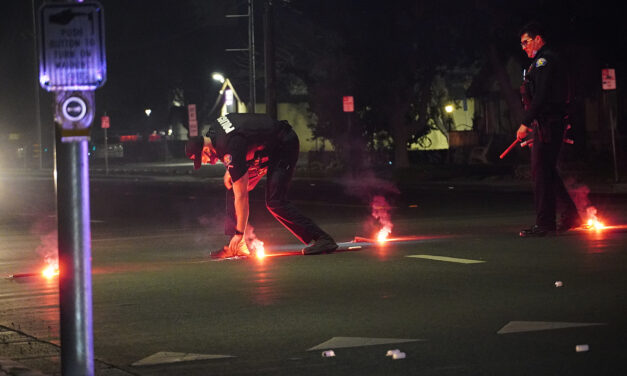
(48, 248)
(381, 212)
(254, 244)
(580, 196)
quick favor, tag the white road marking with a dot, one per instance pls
(447, 259)
(164, 357)
(532, 326)
(341, 342)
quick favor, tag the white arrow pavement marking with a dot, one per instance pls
(447, 259)
(164, 357)
(340, 342)
(532, 326)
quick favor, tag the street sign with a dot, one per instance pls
(104, 122)
(71, 46)
(348, 104)
(193, 121)
(608, 79)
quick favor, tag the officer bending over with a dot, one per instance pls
(251, 146)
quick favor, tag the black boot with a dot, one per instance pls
(535, 231)
(569, 221)
(324, 244)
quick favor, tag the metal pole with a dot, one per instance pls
(106, 147)
(74, 242)
(165, 146)
(612, 125)
(251, 55)
(268, 34)
(37, 104)
(77, 354)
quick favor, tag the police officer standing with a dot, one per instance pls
(251, 146)
(545, 117)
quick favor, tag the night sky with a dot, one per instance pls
(155, 46)
(151, 47)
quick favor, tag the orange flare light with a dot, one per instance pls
(383, 234)
(258, 248)
(594, 224)
(50, 272)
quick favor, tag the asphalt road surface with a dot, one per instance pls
(459, 294)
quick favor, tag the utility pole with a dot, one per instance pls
(268, 34)
(251, 52)
(37, 102)
(608, 84)
(251, 55)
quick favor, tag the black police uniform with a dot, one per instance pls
(258, 145)
(547, 87)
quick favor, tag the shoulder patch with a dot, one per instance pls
(227, 159)
(541, 62)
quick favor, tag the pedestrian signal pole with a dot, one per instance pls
(72, 64)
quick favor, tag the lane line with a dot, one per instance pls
(343, 342)
(165, 357)
(532, 326)
(447, 259)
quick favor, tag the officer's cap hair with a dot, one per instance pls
(533, 29)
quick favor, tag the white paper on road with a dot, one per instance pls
(340, 342)
(164, 357)
(532, 326)
(447, 259)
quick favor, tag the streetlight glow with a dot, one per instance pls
(148, 111)
(218, 77)
(448, 108)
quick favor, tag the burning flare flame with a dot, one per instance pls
(381, 211)
(383, 234)
(595, 224)
(50, 272)
(257, 246)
